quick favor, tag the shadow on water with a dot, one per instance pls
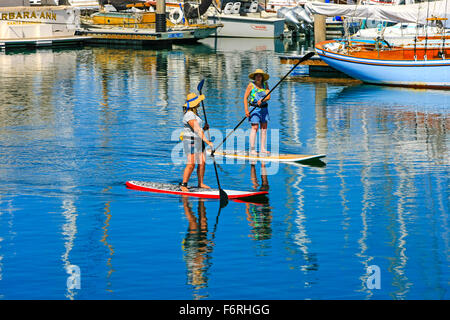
(314, 163)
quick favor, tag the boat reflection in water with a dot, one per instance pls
(421, 123)
(231, 44)
(436, 101)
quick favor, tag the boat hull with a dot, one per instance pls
(43, 22)
(237, 26)
(433, 73)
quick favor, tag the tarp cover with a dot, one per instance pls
(413, 13)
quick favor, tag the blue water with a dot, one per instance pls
(75, 125)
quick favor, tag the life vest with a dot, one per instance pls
(257, 94)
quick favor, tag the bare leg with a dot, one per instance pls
(201, 170)
(263, 137)
(253, 176)
(253, 133)
(202, 215)
(264, 180)
(188, 170)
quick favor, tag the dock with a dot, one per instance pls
(145, 36)
(43, 42)
(115, 36)
(135, 37)
(317, 67)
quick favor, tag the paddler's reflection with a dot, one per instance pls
(259, 215)
(196, 246)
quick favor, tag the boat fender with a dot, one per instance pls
(176, 16)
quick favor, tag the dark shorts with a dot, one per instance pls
(259, 115)
(193, 145)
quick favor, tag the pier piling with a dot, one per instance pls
(160, 16)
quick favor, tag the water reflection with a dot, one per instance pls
(295, 205)
(7, 233)
(424, 122)
(285, 45)
(69, 232)
(366, 205)
(75, 122)
(259, 216)
(197, 247)
(108, 245)
(321, 125)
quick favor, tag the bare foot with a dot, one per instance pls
(253, 152)
(184, 189)
(204, 186)
(265, 152)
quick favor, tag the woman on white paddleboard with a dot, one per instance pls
(194, 140)
(256, 90)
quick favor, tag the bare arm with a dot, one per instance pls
(194, 125)
(247, 93)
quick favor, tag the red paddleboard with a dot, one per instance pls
(193, 191)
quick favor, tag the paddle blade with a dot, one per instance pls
(200, 85)
(223, 198)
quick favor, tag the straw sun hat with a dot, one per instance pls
(193, 100)
(258, 71)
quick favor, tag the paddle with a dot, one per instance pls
(223, 194)
(304, 58)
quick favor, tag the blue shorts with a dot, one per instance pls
(259, 115)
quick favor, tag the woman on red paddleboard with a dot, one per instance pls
(259, 117)
(194, 140)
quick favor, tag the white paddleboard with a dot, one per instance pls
(282, 157)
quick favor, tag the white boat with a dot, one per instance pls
(38, 26)
(250, 24)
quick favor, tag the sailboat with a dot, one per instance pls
(422, 62)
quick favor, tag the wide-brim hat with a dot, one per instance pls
(259, 71)
(193, 100)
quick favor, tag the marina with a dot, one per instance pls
(96, 137)
(419, 62)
